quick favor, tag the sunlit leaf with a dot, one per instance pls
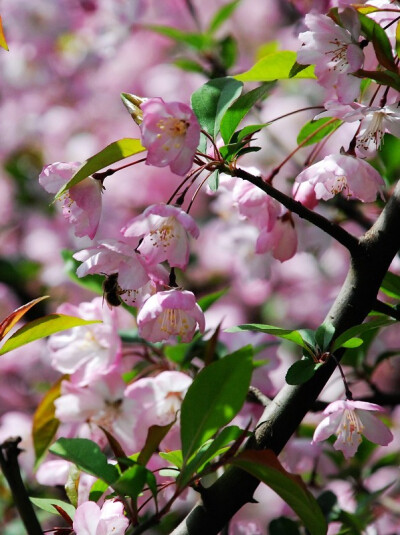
(45, 424)
(265, 466)
(41, 328)
(240, 108)
(46, 504)
(8, 323)
(116, 151)
(3, 42)
(211, 101)
(275, 66)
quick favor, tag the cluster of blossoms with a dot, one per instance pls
(96, 399)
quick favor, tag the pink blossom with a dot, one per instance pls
(81, 203)
(135, 280)
(340, 172)
(258, 207)
(335, 52)
(173, 312)
(90, 350)
(281, 240)
(171, 134)
(304, 193)
(349, 420)
(160, 397)
(165, 231)
(103, 403)
(375, 122)
(89, 519)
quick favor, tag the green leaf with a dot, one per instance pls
(97, 490)
(173, 457)
(94, 283)
(214, 398)
(116, 151)
(87, 456)
(45, 424)
(229, 151)
(300, 372)
(296, 68)
(131, 481)
(198, 41)
(391, 285)
(265, 466)
(188, 65)
(211, 101)
(275, 66)
(42, 327)
(398, 39)
(46, 504)
(240, 108)
(353, 342)
(213, 180)
(286, 334)
(222, 15)
(155, 435)
(360, 329)
(324, 335)
(377, 35)
(209, 451)
(316, 126)
(249, 130)
(228, 51)
(206, 301)
(389, 156)
(387, 77)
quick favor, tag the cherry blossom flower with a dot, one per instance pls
(171, 134)
(173, 312)
(88, 351)
(103, 403)
(335, 52)
(81, 203)
(281, 240)
(375, 122)
(135, 280)
(160, 397)
(258, 207)
(340, 172)
(165, 231)
(349, 420)
(89, 519)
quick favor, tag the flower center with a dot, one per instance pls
(173, 127)
(374, 132)
(163, 234)
(174, 321)
(350, 427)
(338, 55)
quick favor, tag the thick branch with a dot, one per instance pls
(337, 232)
(9, 452)
(370, 261)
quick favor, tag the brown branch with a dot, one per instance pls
(369, 263)
(338, 233)
(9, 452)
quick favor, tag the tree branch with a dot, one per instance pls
(9, 452)
(369, 263)
(338, 233)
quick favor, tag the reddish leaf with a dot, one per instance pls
(8, 323)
